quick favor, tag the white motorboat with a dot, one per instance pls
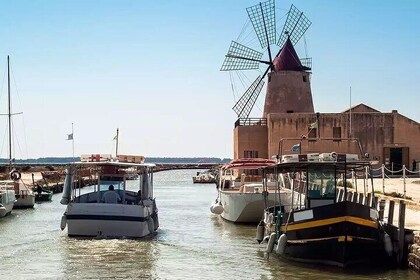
(117, 211)
(242, 199)
(7, 200)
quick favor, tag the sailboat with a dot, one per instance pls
(25, 197)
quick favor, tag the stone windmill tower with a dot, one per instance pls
(288, 76)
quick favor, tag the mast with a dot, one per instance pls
(9, 114)
(116, 145)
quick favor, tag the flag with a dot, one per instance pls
(295, 148)
(70, 136)
(115, 137)
(314, 125)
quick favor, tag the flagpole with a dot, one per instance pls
(350, 115)
(72, 139)
(116, 145)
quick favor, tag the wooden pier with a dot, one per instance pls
(401, 237)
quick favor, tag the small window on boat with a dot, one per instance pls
(304, 79)
(337, 133)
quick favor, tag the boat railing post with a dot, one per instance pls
(403, 168)
(383, 178)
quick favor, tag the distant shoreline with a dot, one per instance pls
(174, 160)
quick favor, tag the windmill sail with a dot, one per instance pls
(245, 104)
(263, 18)
(240, 57)
(296, 25)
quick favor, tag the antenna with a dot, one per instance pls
(240, 57)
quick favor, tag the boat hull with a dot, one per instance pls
(342, 234)
(110, 220)
(5, 210)
(24, 201)
(247, 207)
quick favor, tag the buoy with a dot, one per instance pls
(260, 231)
(211, 207)
(388, 244)
(63, 222)
(271, 241)
(281, 244)
(217, 208)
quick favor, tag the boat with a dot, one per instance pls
(25, 198)
(241, 198)
(42, 195)
(328, 228)
(113, 208)
(7, 201)
(204, 178)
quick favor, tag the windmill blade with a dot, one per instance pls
(263, 18)
(245, 104)
(240, 57)
(307, 62)
(295, 26)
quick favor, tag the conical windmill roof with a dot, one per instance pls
(288, 59)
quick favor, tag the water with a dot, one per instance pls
(191, 244)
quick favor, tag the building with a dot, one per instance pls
(390, 138)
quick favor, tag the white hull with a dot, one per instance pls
(249, 207)
(5, 210)
(110, 220)
(25, 201)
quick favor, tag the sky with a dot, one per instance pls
(152, 69)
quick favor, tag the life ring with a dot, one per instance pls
(15, 175)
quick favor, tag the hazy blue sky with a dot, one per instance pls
(151, 68)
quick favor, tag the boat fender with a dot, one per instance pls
(63, 222)
(15, 175)
(281, 244)
(217, 208)
(388, 244)
(260, 232)
(211, 207)
(271, 241)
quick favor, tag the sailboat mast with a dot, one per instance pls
(9, 114)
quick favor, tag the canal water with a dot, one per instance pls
(191, 243)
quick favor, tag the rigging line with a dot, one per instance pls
(235, 88)
(306, 48)
(232, 87)
(3, 83)
(243, 29)
(17, 91)
(4, 140)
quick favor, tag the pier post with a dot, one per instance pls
(383, 178)
(401, 232)
(361, 198)
(404, 180)
(391, 212)
(367, 201)
(381, 209)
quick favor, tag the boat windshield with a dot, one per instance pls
(321, 183)
(105, 184)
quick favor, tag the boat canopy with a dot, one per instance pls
(249, 163)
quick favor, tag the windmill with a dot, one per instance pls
(241, 57)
